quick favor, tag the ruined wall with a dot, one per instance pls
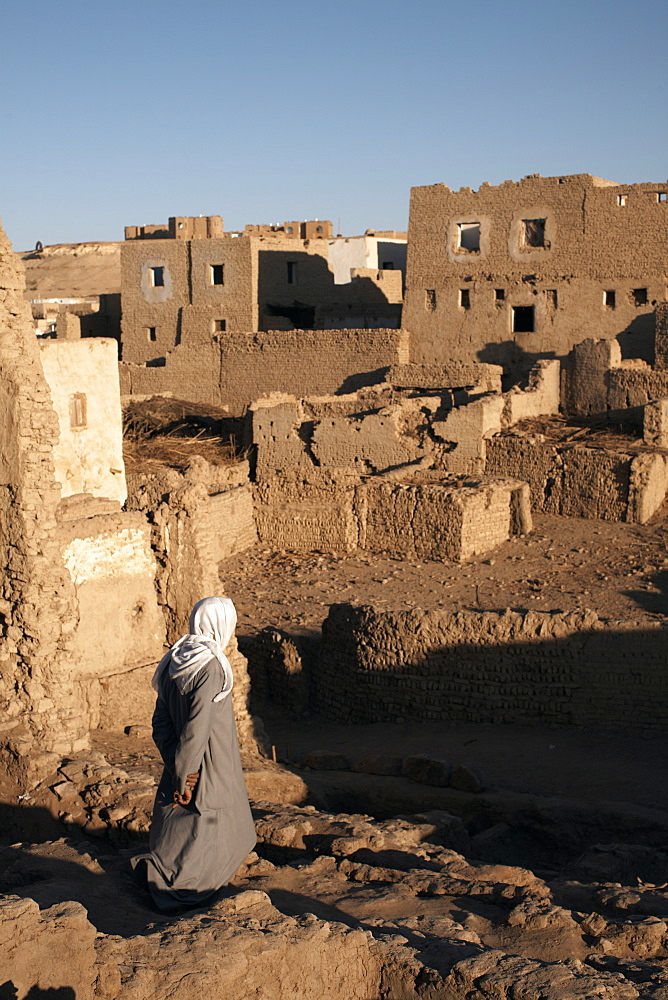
(240, 367)
(83, 379)
(598, 383)
(38, 603)
(338, 511)
(597, 263)
(575, 481)
(527, 668)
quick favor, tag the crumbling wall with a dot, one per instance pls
(236, 368)
(83, 380)
(526, 668)
(199, 519)
(599, 253)
(338, 511)
(575, 481)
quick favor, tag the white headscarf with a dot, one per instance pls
(212, 624)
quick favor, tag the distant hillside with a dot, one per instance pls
(73, 270)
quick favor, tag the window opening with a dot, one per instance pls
(609, 299)
(534, 232)
(289, 230)
(621, 200)
(662, 196)
(158, 277)
(639, 296)
(318, 229)
(292, 272)
(219, 325)
(499, 294)
(151, 334)
(523, 319)
(388, 265)
(216, 274)
(78, 411)
(430, 299)
(465, 298)
(469, 236)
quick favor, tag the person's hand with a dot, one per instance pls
(185, 797)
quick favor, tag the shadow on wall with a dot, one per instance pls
(516, 362)
(637, 340)
(291, 285)
(9, 992)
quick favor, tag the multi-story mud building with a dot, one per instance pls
(532, 268)
(187, 289)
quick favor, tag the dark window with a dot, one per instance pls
(158, 277)
(318, 229)
(430, 299)
(523, 319)
(78, 415)
(465, 298)
(639, 296)
(388, 265)
(500, 294)
(609, 299)
(292, 272)
(151, 333)
(219, 325)
(216, 274)
(469, 236)
(534, 232)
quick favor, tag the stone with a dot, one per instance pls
(427, 770)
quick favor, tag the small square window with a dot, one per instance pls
(78, 408)
(151, 334)
(218, 325)
(157, 275)
(468, 235)
(430, 299)
(639, 296)
(534, 232)
(499, 295)
(523, 319)
(216, 274)
(621, 200)
(464, 298)
(661, 196)
(609, 298)
(292, 272)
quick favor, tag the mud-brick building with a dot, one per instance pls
(190, 291)
(534, 267)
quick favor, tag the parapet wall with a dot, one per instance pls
(236, 368)
(527, 668)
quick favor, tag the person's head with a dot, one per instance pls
(214, 618)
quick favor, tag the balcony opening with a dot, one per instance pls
(534, 232)
(523, 319)
(468, 234)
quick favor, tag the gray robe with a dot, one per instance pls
(196, 849)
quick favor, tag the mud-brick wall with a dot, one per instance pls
(574, 481)
(237, 368)
(491, 667)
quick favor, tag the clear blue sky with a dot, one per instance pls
(128, 112)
